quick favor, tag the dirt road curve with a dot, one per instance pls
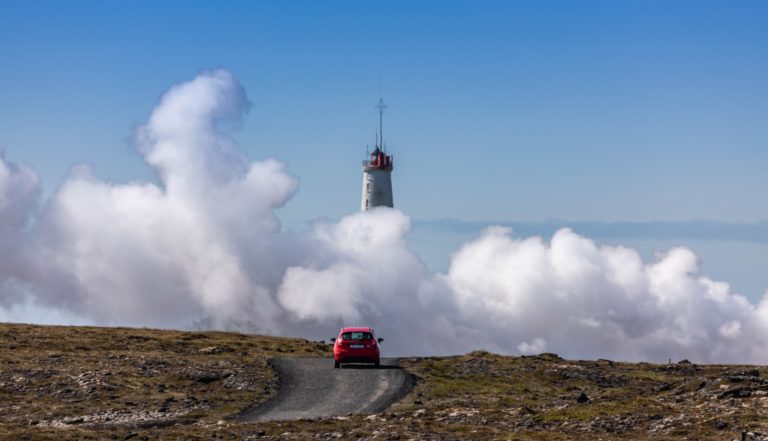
(311, 387)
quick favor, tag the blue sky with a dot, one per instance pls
(608, 111)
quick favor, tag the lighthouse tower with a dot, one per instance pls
(377, 172)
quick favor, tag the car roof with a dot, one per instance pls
(356, 329)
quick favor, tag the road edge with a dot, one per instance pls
(249, 414)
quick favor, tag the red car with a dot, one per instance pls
(356, 345)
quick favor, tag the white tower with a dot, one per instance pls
(377, 172)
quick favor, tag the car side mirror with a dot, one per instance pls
(381, 340)
(333, 340)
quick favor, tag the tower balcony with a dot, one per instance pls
(379, 162)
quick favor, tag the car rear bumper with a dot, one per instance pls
(356, 356)
(358, 359)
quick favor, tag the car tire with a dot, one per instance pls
(376, 364)
(336, 364)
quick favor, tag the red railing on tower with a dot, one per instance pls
(379, 161)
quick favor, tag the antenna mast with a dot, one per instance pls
(381, 106)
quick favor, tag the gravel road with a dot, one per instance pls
(311, 387)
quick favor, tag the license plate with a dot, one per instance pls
(356, 346)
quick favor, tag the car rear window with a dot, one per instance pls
(356, 336)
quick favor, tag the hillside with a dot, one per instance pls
(72, 383)
(95, 383)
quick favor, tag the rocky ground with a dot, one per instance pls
(72, 383)
(93, 383)
(485, 396)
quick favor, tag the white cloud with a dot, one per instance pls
(204, 247)
(536, 346)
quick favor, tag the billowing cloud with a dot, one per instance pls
(19, 191)
(583, 300)
(203, 247)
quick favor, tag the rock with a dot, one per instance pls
(550, 355)
(215, 350)
(130, 435)
(607, 426)
(664, 387)
(204, 377)
(720, 425)
(737, 392)
(583, 398)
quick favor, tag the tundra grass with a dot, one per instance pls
(81, 383)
